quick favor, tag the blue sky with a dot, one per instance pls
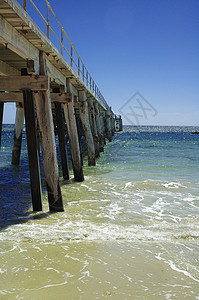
(145, 46)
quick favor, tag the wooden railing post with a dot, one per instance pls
(71, 56)
(78, 66)
(48, 20)
(62, 40)
(24, 5)
(83, 72)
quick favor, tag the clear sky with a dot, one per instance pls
(145, 46)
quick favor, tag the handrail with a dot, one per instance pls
(74, 59)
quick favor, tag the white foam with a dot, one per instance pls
(173, 185)
(186, 273)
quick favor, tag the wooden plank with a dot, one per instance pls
(32, 149)
(6, 69)
(62, 98)
(5, 11)
(62, 140)
(11, 97)
(55, 73)
(12, 19)
(17, 83)
(1, 119)
(19, 122)
(18, 97)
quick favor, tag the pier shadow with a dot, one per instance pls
(15, 196)
(15, 190)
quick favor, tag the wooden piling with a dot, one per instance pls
(99, 127)
(118, 123)
(33, 158)
(84, 115)
(80, 131)
(81, 151)
(69, 114)
(112, 124)
(47, 136)
(108, 126)
(103, 126)
(1, 119)
(94, 127)
(62, 141)
(19, 123)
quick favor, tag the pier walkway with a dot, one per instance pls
(54, 92)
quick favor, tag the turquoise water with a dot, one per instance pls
(129, 231)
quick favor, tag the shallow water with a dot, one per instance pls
(129, 231)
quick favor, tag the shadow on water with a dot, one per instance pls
(15, 191)
(15, 196)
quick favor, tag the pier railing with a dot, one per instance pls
(56, 33)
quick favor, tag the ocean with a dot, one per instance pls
(129, 231)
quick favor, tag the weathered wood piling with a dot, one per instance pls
(84, 116)
(62, 141)
(69, 114)
(35, 181)
(1, 119)
(19, 123)
(118, 123)
(54, 98)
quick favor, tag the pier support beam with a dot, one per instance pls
(109, 133)
(103, 125)
(84, 115)
(94, 127)
(99, 127)
(32, 149)
(47, 136)
(70, 118)
(19, 122)
(1, 119)
(113, 124)
(80, 130)
(62, 141)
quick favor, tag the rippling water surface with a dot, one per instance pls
(129, 231)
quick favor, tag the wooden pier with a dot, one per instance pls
(55, 94)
